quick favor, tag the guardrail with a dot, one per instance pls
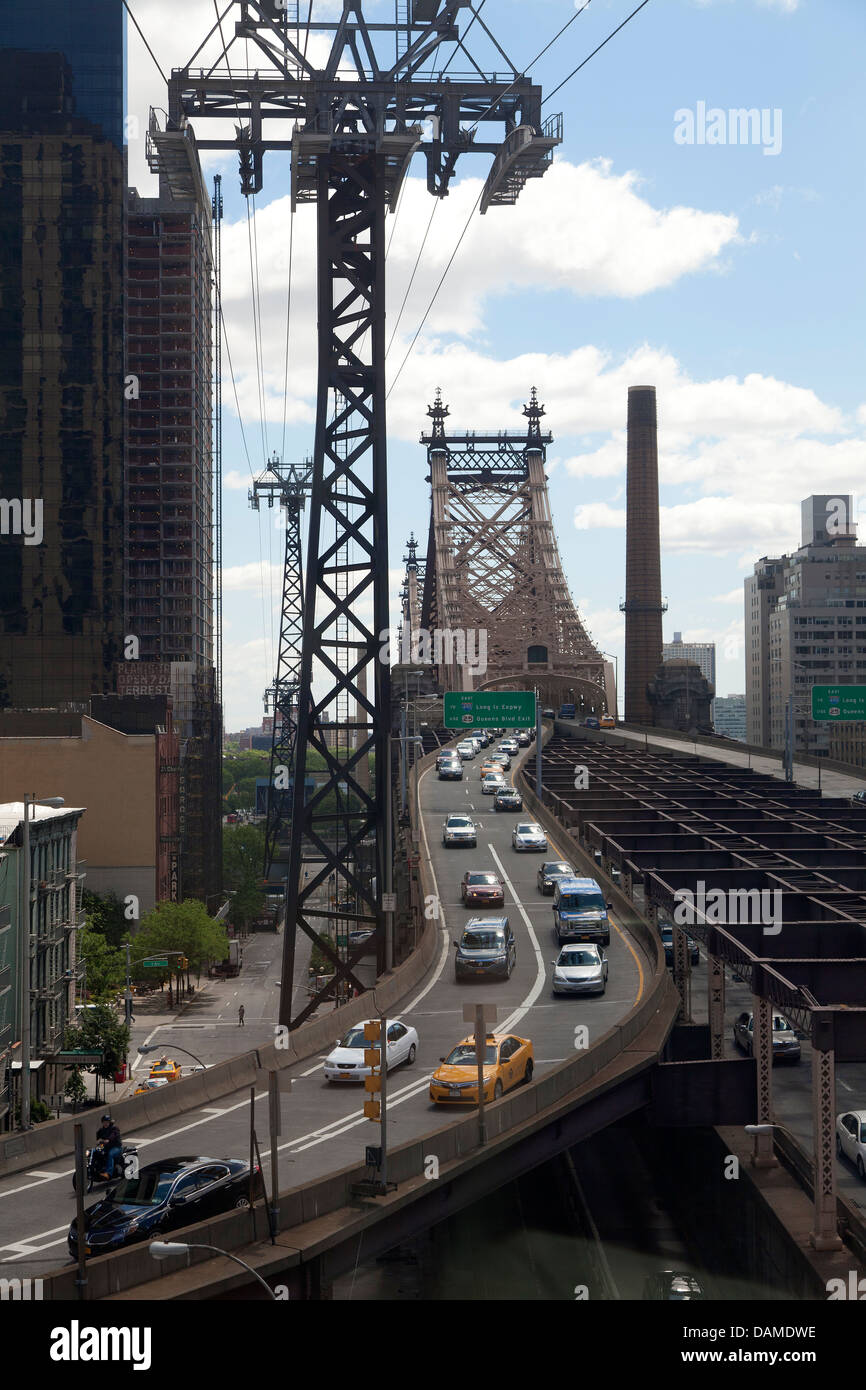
(851, 1224)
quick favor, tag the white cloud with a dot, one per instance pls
(732, 596)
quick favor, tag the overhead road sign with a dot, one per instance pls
(510, 709)
(838, 702)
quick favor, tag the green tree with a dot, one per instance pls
(99, 1030)
(106, 915)
(105, 964)
(75, 1090)
(243, 856)
(182, 927)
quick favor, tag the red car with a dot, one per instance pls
(481, 886)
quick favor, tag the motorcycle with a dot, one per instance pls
(125, 1166)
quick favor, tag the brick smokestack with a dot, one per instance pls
(643, 606)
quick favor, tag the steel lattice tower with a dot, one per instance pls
(356, 123)
(493, 565)
(289, 485)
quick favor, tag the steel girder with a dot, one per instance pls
(347, 584)
(493, 564)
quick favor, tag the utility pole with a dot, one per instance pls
(358, 114)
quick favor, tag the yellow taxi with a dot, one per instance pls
(508, 1060)
(607, 721)
(166, 1068)
(489, 766)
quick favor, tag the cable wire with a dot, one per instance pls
(478, 199)
(145, 42)
(594, 51)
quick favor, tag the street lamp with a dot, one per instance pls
(152, 1047)
(164, 1249)
(24, 938)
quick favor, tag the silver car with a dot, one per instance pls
(459, 830)
(580, 969)
(527, 835)
(492, 783)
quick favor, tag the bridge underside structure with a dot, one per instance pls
(496, 607)
(769, 877)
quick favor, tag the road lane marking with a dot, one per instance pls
(541, 974)
(443, 954)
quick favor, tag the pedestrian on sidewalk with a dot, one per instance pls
(241, 1016)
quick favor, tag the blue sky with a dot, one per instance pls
(730, 278)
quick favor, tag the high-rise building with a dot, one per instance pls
(169, 564)
(729, 716)
(703, 654)
(805, 618)
(92, 38)
(61, 380)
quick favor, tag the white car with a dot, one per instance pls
(580, 969)
(492, 783)
(459, 830)
(528, 835)
(346, 1062)
(851, 1138)
(466, 750)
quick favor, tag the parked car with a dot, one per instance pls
(851, 1138)
(481, 886)
(580, 970)
(507, 799)
(666, 932)
(459, 830)
(786, 1044)
(550, 871)
(528, 835)
(346, 1061)
(487, 947)
(169, 1193)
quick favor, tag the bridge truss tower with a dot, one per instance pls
(352, 123)
(289, 485)
(493, 567)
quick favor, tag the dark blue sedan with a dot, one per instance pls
(165, 1195)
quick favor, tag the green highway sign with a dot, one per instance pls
(508, 709)
(155, 960)
(839, 702)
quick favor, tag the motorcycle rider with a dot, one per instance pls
(108, 1135)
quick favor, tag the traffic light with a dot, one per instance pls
(373, 1060)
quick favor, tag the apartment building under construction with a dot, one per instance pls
(169, 463)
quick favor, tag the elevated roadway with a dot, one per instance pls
(323, 1129)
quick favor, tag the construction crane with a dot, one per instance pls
(385, 91)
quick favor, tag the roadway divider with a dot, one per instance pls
(55, 1138)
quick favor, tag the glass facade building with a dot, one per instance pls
(91, 35)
